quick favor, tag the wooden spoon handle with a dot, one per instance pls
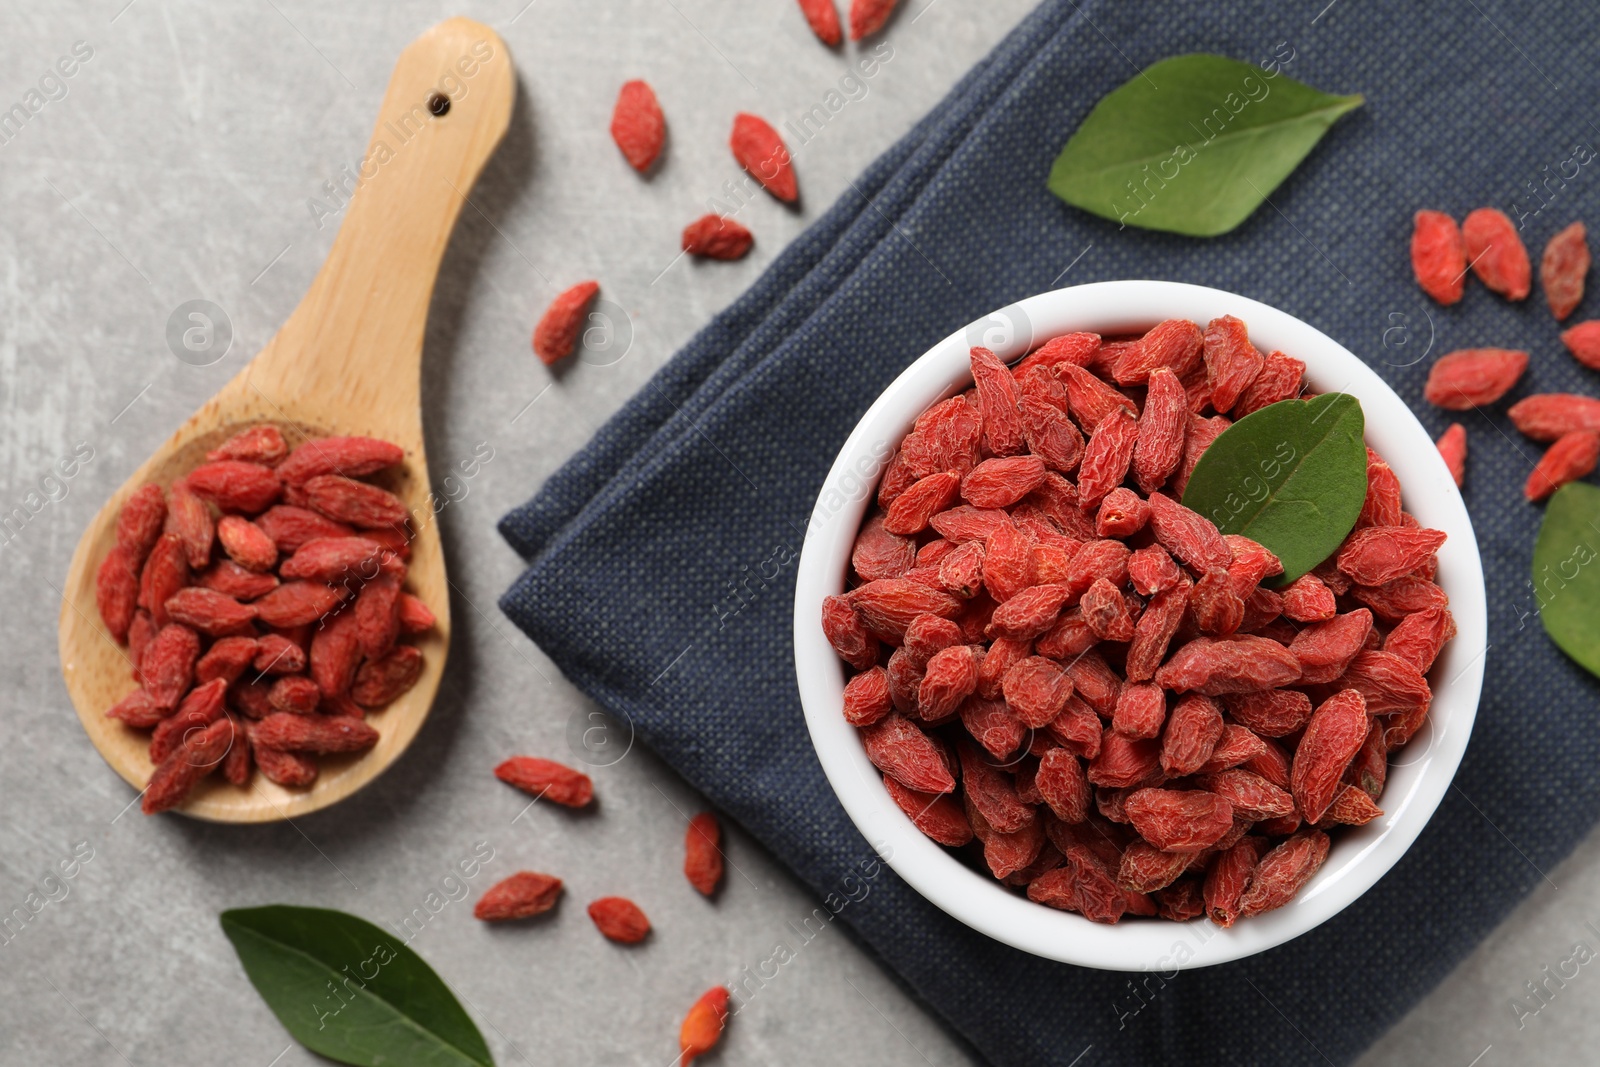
(448, 105)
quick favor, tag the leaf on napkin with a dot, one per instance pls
(351, 991)
(1192, 144)
(1292, 476)
(1566, 579)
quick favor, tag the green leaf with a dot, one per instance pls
(1192, 144)
(1565, 584)
(351, 991)
(1292, 476)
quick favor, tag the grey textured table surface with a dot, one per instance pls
(179, 162)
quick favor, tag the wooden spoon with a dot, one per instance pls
(348, 361)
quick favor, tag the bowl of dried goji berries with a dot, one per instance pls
(1140, 625)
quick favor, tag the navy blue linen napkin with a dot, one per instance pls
(661, 559)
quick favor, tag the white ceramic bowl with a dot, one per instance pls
(1418, 776)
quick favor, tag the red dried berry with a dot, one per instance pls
(295, 694)
(702, 853)
(619, 919)
(321, 734)
(1583, 341)
(138, 709)
(1188, 535)
(913, 509)
(1141, 710)
(1282, 872)
(210, 612)
(759, 150)
(1270, 712)
(1177, 820)
(246, 543)
(889, 605)
(139, 523)
(1324, 649)
(867, 17)
(1192, 732)
(259, 444)
(823, 18)
(1036, 690)
(1280, 378)
(1473, 377)
(1308, 599)
(1438, 256)
(234, 485)
(189, 520)
(1106, 457)
(1496, 253)
(1332, 738)
(637, 125)
(1174, 344)
(380, 681)
(228, 578)
(415, 616)
(521, 896)
(717, 237)
(194, 757)
(227, 658)
(1243, 663)
(556, 335)
(357, 503)
(166, 572)
(547, 780)
(1162, 426)
(938, 816)
(116, 592)
(702, 1027)
(1050, 435)
(1562, 269)
(899, 749)
(1378, 554)
(1228, 876)
(353, 457)
(1418, 637)
(298, 603)
(1548, 416)
(1570, 458)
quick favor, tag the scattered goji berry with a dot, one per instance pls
(1438, 256)
(547, 780)
(1562, 269)
(717, 237)
(702, 1027)
(758, 149)
(1473, 377)
(559, 327)
(1571, 457)
(1496, 253)
(1583, 341)
(702, 853)
(521, 896)
(637, 125)
(619, 919)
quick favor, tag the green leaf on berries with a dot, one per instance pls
(352, 991)
(1193, 144)
(1292, 476)
(1565, 581)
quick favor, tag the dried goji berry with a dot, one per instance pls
(295, 694)
(210, 612)
(1197, 437)
(992, 793)
(1473, 377)
(521, 896)
(1063, 786)
(702, 853)
(961, 572)
(1351, 807)
(547, 780)
(1146, 868)
(1252, 796)
(234, 485)
(314, 733)
(619, 919)
(1418, 637)
(189, 519)
(949, 678)
(898, 748)
(166, 572)
(759, 150)
(1281, 873)
(1571, 457)
(357, 503)
(823, 19)
(1106, 457)
(1280, 378)
(1187, 534)
(1562, 269)
(1325, 649)
(1242, 663)
(1124, 761)
(1089, 399)
(866, 697)
(259, 444)
(1228, 876)
(139, 523)
(298, 603)
(194, 757)
(1377, 554)
(1074, 348)
(1308, 599)
(1174, 344)
(637, 124)
(382, 680)
(1050, 434)
(1036, 689)
(1029, 613)
(994, 726)
(1548, 416)
(1496, 253)
(1270, 712)
(703, 1026)
(1217, 609)
(246, 543)
(1105, 611)
(1001, 481)
(1232, 362)
(559, 327)
(938, 816)
(228, 578)
(227, 658)
(353, 457)
(1583, 341)
(1179, 820)
(138, 709)
(1192, 731)
(1332, 737)
(1438, 256)
(1162, 425)
(116, 592)
(1122, 514)
(717, 237)
(1141, 710)
(415, 616)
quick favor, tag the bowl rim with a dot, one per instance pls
(1418, 779)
